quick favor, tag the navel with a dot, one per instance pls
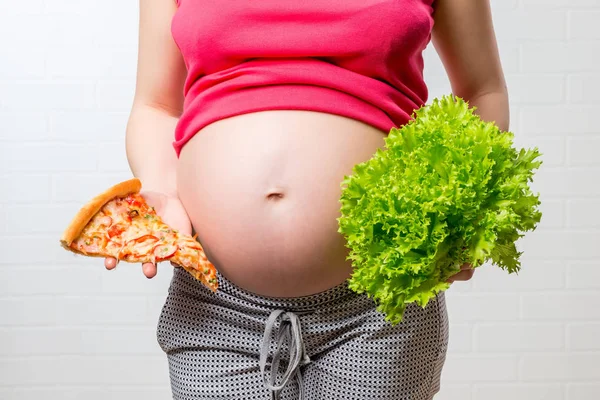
(275, 194)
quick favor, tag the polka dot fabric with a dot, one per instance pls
(213, 344)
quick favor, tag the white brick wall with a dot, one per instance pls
(70, 330)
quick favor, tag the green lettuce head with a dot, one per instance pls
(448, 189)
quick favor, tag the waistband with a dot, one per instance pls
(228, 289)
(317, 300)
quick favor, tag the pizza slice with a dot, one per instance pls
(119, 223)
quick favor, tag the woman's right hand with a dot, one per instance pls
(172, 212)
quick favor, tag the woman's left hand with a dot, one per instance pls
(466, 272)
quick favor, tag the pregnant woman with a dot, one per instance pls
(246, 117)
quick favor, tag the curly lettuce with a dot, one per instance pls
(448, 189)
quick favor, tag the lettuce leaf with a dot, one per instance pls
(449, 188)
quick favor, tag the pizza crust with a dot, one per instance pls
(87, 212)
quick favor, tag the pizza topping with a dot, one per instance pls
(91, 239)
(167, 237)
(117, 208)
(133, 201)
(149, 217)
(84, 248)
(87, 244)
(106, 220)
(142, 250)
(133, 213)
(116, 230)
(142, 245)
(165, 251)
(144, 238)
(194, 245)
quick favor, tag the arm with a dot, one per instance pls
(158, 99)
(157, 105)
(463, 36)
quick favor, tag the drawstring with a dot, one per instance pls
(290, 329)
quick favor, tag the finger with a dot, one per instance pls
(110, 263)
(149, 270)
(463, 275)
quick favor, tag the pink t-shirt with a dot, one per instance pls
(357, 58)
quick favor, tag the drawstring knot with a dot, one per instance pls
(289, 329)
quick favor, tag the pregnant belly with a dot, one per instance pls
(262, 191)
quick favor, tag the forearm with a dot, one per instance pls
(149, 148)
(492, 106)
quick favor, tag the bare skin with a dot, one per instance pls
(262, 189)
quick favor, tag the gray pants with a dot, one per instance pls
(234, 345)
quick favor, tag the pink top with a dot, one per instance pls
(356, 58)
